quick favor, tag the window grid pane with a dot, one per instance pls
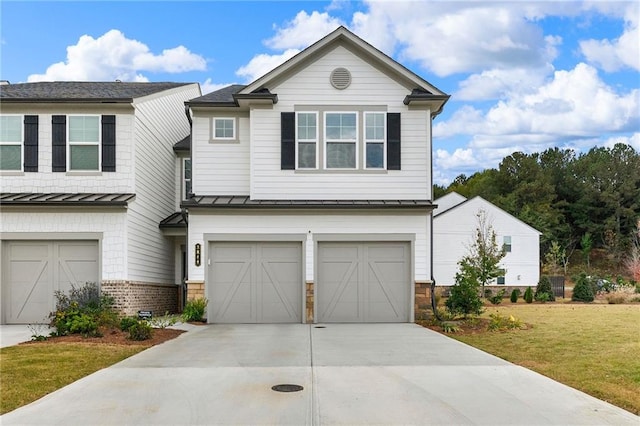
(84, 129)
(341, 155)
(83, 157)
(10, 128)
(307, 155)
(374, 127)
(10, 157)
(307, 127)
(224, 128)
(375, 155)
(341, 126)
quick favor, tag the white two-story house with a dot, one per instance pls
(311, 190)
(87, 171)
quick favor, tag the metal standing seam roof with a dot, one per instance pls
(81, 91)
(244, 201)
(65, 199)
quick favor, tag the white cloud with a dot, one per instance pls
(263, 63)
(614, 55)
(303, 30)
(501, 83)
(633, 141)
(208, 86)
(113, 56)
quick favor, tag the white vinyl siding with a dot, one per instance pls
(239, 222)
(11, 142)
(453, 232)
(83, 142)
(220, 168)
(370, 91)
(159, 123)
(307, 140)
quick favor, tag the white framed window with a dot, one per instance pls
(186, 177)
(341, 140)
(11, 142)
(224, 128)
(375, 140)
(83, 141)
(506, 244)
(307, 140)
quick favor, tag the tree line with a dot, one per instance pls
(577, 201)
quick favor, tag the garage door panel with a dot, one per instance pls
(267, 289)
(34, 270)
(378, 284)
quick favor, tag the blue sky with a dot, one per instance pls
(524, 76)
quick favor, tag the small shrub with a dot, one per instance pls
(616, 299)
(450, 327)
(514, 295)
(127, 322)
(582, 290)
(37, 330)
(487, 293)
(544, 288)
(84, 324)
(497, 299)
(140, 331)
(164, 321)
(194, 310)
(464, 298)
(501, 322)
(83, 310)
(528, 295)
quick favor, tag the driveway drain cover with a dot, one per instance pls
(287, 388)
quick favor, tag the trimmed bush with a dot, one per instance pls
(83, 310)
(194, 310)
(544, 292)
(514, 295)
(497, 299)
(583, 289)
(140, 331)
(127, 322)
(464, 298)
(528, 295)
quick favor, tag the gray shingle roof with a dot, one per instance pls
(224, 95)
(243, 201)
(62, 199)
(85, 91)
(183, 145)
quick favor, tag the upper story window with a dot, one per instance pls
(84, 142)
(224, 128)
(375, 140)
(307, 140)
(11, 142)
(186, 178)
(341, 137)
(506, 244)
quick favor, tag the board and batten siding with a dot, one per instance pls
(311, 223)
(369, 87)
(46, 225)
(46, 181)
(220, 168)
(453, 234)
(160, 122)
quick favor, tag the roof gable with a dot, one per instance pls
(420, 89)
(476, 203)
(447, 202)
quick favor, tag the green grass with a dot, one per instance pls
(28, 372)
(594, 348)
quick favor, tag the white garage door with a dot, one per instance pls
(255, 282)
(34, 270)
(364, 282)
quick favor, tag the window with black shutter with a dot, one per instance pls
(59, 143)
(30, 143)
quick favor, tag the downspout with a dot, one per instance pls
(432, 287)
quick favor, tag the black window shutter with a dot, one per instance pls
(108, 143)
(30, 143)
(288, 142)
(59, 143)
(393, 141)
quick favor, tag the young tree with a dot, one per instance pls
(586, 244)
(484, 253)
(632, 262)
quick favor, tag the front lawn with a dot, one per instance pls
(591, 347)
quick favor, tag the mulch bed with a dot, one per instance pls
(115, 337)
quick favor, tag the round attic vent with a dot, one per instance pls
(340, 78)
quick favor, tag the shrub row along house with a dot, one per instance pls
(303, 196)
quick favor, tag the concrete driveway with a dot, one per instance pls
(351, 374)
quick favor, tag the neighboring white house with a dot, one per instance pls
(88, 173)
(454, 224)
(311, 189)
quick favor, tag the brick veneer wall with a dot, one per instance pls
(131, 297)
